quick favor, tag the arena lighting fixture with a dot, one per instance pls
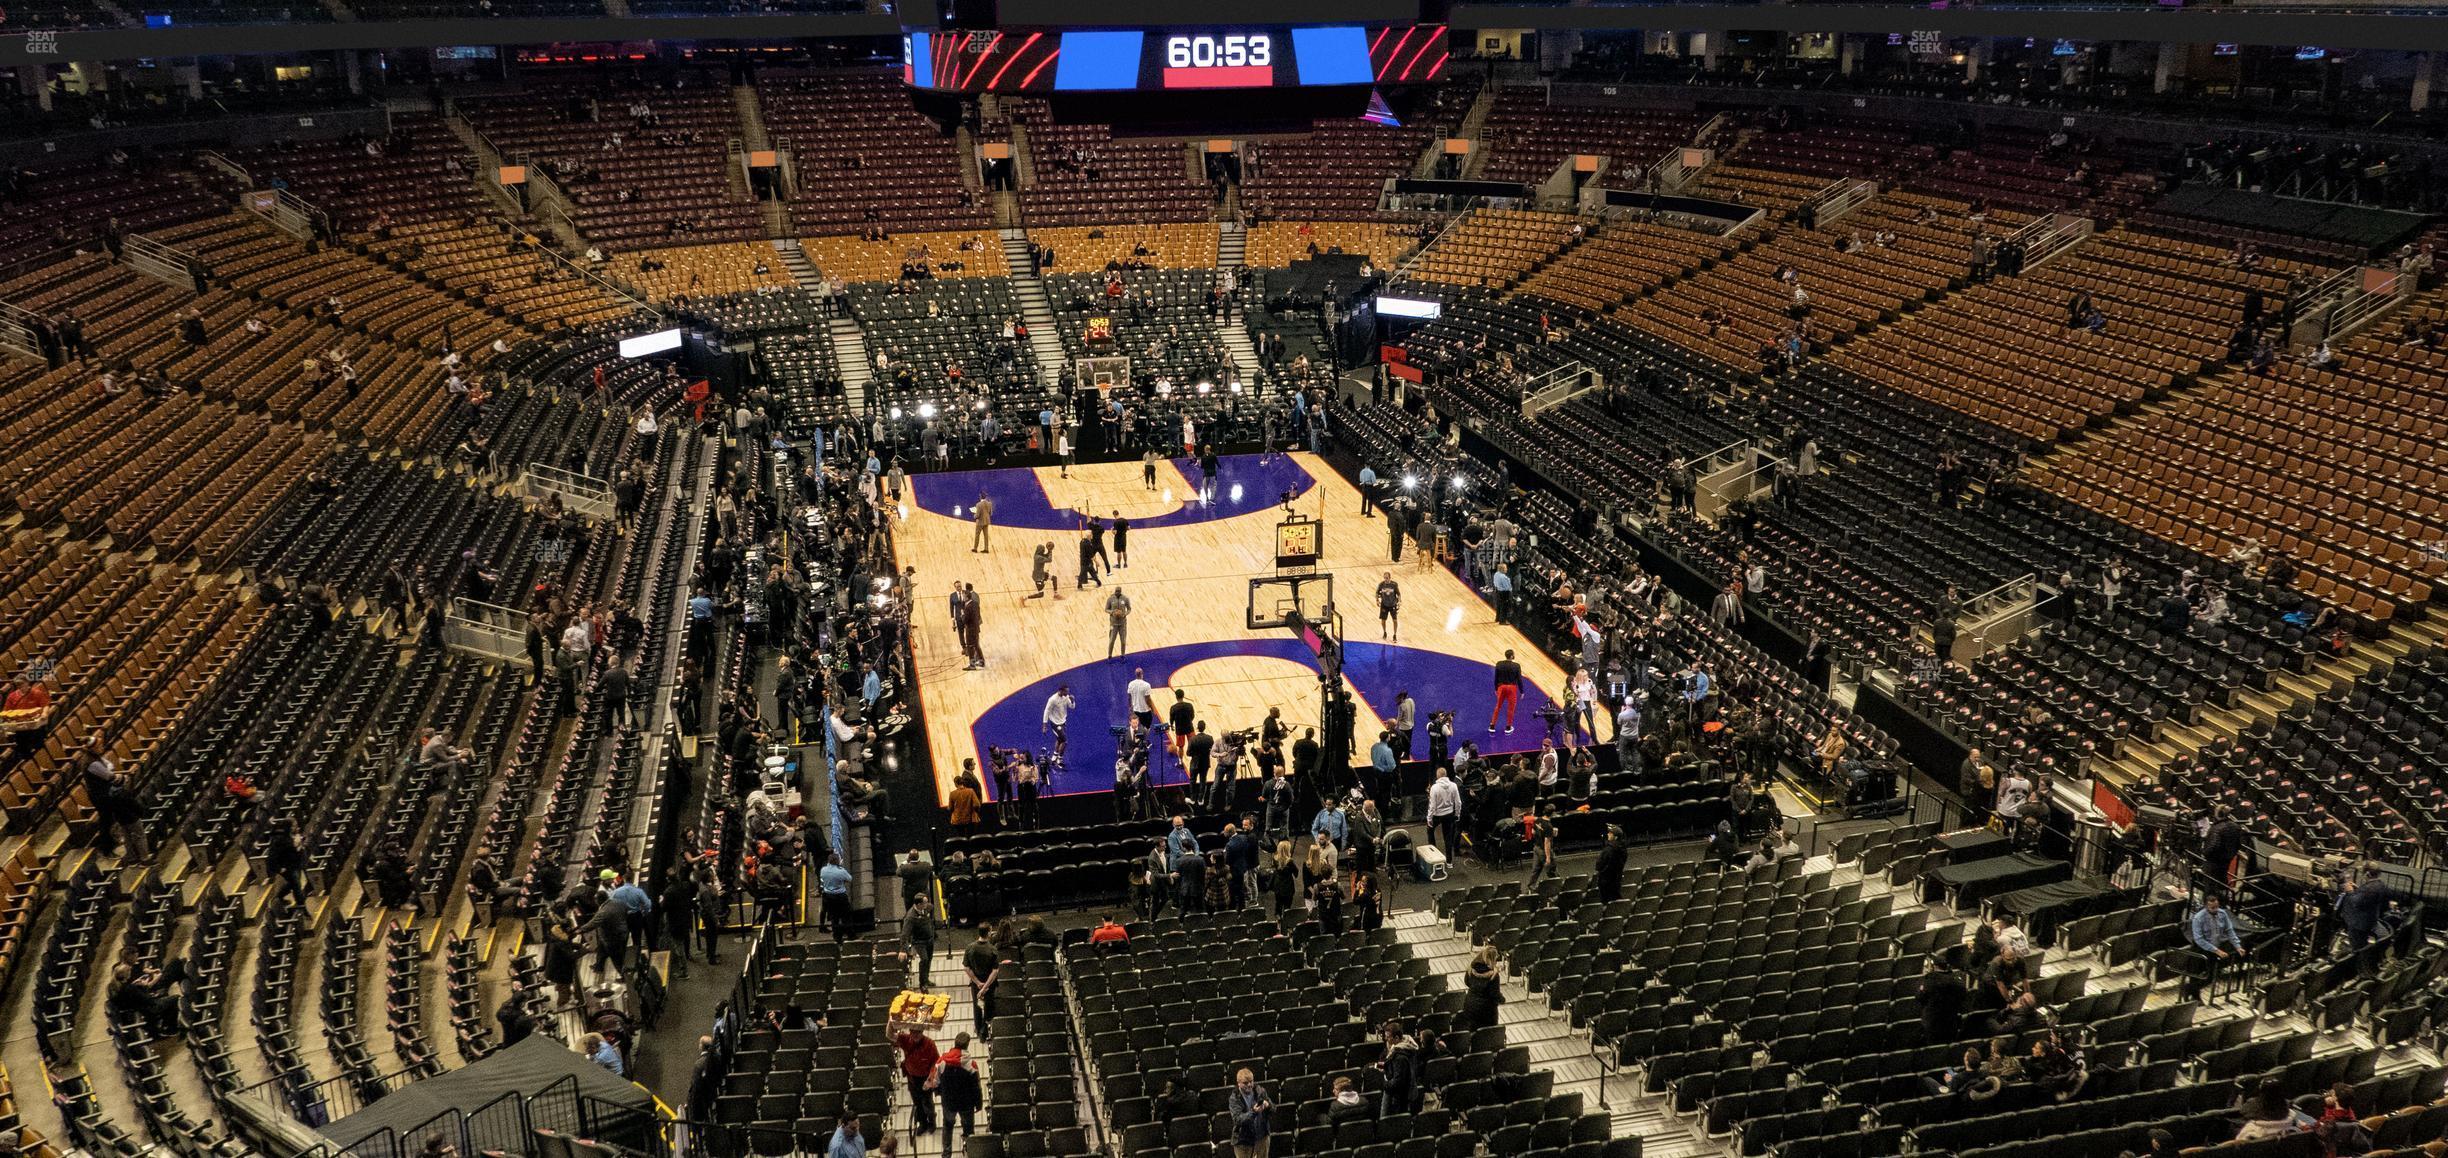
(926, 410)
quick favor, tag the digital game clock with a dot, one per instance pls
(1299, 542)
(1174, 59)
(1219, 60)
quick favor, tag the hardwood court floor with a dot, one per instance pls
(1188, 581)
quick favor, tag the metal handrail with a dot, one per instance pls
(485, 139)
(285, 210)
(1842, 196)
(609, 286)
(214, 158)
(483, 612)
(2004, 604)
(2049, 235)
(1468, 208)
(20, 331)
(1709, 129)
(1767, 463)
(2015, 588)
(568, 479)
(164, 262)
(2334, 283)
(1562, 382)
(1720, 452)
(18, 314)
(1670, 172)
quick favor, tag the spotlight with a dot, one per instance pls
(926, 410)
(1459, 483)
(1410, 481)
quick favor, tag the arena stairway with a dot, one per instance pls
(1035, 308)
(751, 116)
(1554, 1044)
(850, 360)
(1232, 250)
(801, 269)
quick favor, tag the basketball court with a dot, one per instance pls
(1189, 573)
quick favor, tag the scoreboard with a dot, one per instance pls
(1176, 59)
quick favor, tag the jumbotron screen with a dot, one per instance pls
(1173, 59)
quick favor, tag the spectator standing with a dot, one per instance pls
(1609, 871)
(958, 1090)
(917, 879)
(1253, 1116)
(1445, 817)
(833, 889)
(918, 929)
(918, 1059)
(1482, 991)
(985, 967)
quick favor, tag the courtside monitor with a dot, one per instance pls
(647, 345)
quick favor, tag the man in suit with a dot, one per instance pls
(982, 517)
